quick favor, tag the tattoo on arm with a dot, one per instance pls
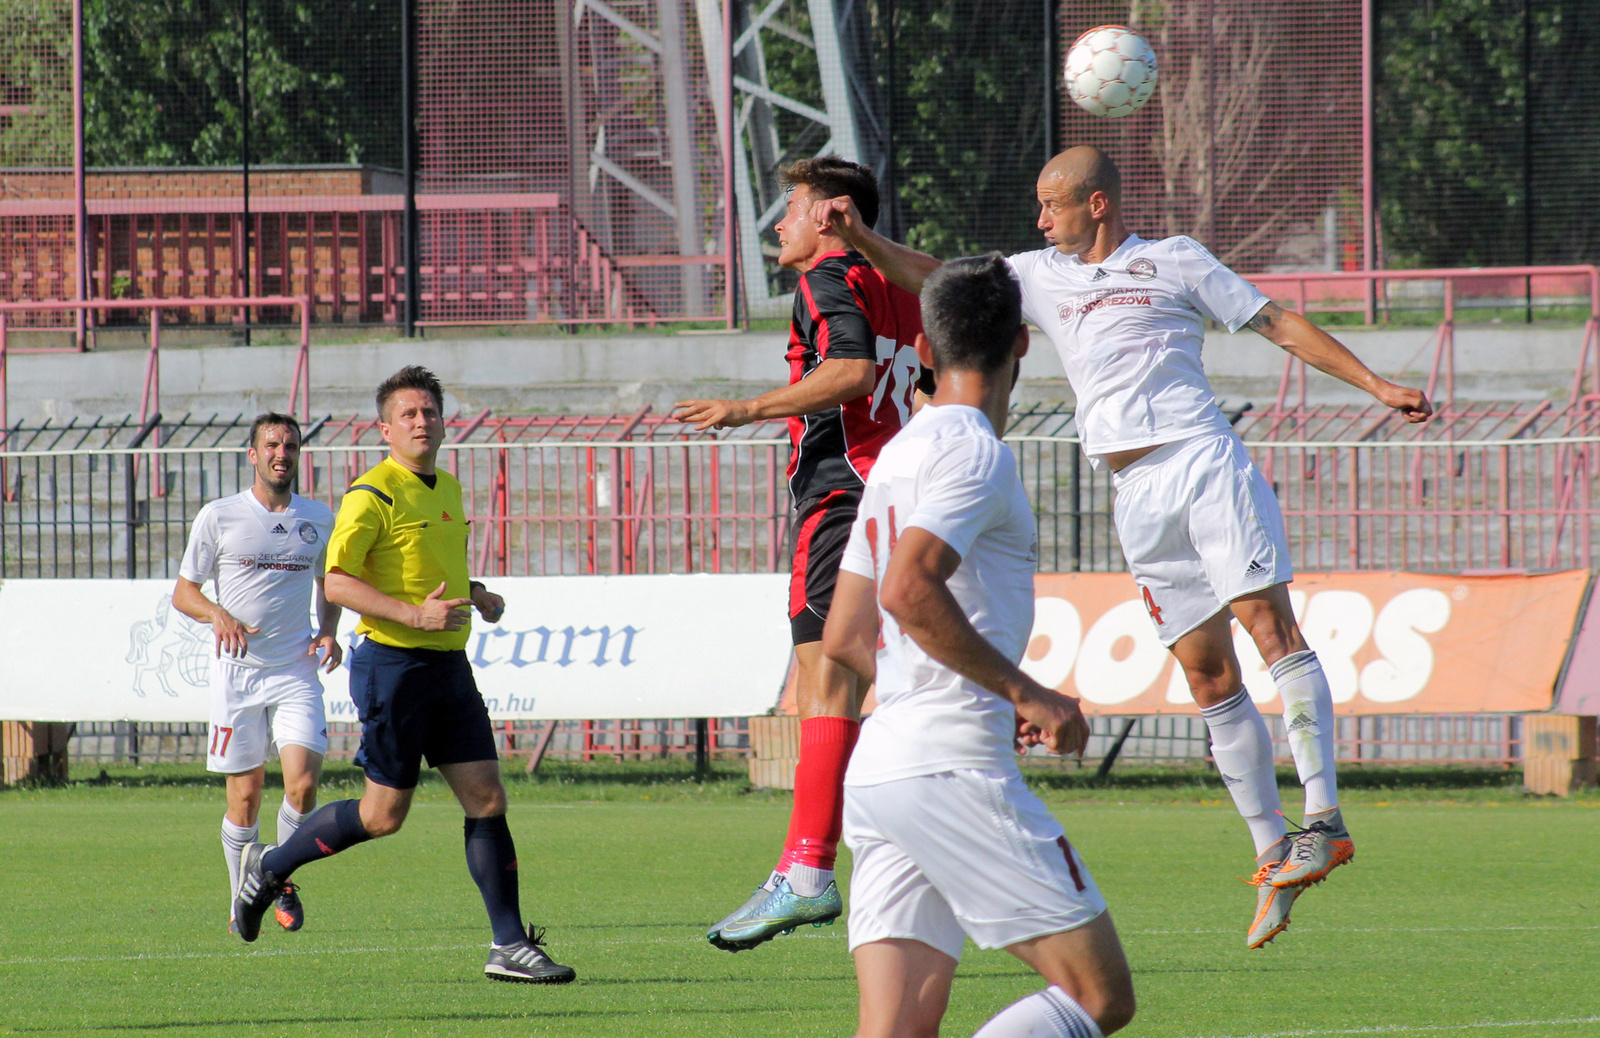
(1265, 318)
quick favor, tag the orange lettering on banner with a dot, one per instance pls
(1390, 643)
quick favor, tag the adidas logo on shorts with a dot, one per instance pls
(1255, 569)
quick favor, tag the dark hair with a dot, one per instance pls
(829, 176)
(971, 310)
(267, 418)
(412, 376)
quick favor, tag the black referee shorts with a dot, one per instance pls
(416, 703)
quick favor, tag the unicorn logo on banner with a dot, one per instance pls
(169, 651)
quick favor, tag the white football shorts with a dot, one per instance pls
(1200, 526)
(248, 702)
(939, 858)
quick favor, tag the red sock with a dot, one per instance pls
(818, 815)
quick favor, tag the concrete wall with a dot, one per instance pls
(623, 373)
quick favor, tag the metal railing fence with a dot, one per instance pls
(550, 507)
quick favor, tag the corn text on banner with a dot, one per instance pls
(1390, 643)
(567, 647)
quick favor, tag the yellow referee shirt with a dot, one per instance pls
(403, 537)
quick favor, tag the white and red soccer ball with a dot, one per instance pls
(1111, 71)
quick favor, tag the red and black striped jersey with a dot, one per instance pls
(844, 308)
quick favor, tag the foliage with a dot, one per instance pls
(161, 82)
(970, 122)
(36, 83)
(1452, 97)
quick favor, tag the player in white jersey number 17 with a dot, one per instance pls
(935, 604)
(1199, 524)
(264, 550)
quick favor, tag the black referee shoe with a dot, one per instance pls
(257, 890)
(525, 962)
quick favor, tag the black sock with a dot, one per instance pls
(492, 860)
(329, 830)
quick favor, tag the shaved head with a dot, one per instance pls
(1082, 171)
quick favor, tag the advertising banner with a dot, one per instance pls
(1390, 643)
(567, 647)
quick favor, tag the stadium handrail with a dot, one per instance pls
(1372, 281)
(150, 395)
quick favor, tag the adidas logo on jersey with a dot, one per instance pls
(1255, 569)
(1100, 274)
(279, 529)
(447, 517)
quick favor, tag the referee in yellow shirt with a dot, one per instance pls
(398, 556)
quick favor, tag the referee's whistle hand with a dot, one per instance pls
(437, 613)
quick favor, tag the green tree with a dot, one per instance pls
(161, 82)
(1453, 94)
(36, 83)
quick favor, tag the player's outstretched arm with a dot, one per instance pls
(901, 264)
(850, 635)
(434, 613)
(1306, 341)
(915, 593)
(837, 380)
(232, 636)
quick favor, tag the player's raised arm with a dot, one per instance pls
(901, 264)
(1304, 340)
(916, 594)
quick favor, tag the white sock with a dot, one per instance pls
(234, 840)
(1308, 720)
(808, 880)
(1242, 748)
(288, 821)
(1051, 1013)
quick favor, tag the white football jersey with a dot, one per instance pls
(264, 565)
(947, 473)
(1129, 332)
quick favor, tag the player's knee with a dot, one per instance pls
(1117, 1011)
(491, 801)
(301, 792)
(384, 824)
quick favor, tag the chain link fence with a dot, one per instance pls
(616, 161)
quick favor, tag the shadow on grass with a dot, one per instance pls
(342, 777)
(1067, 776)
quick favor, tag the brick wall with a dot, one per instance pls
(189, 182)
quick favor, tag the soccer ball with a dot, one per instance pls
(1111, 71)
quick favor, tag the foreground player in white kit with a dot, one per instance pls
(1199, 524)
(947, 840)
(264, 548)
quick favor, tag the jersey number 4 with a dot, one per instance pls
(219, 740)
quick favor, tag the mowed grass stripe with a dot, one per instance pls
(114, 922)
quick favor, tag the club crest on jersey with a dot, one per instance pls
(1142, 270)
(307, 532)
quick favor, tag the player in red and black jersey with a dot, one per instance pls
(853, 374)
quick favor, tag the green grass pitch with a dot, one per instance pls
(1468, 911)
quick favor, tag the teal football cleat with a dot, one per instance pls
(753, 902)
(781, 910)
